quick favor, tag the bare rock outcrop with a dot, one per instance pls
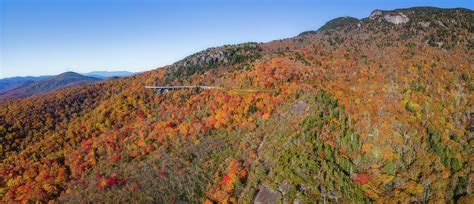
(396, 19)
(391, 17)
(267, 196)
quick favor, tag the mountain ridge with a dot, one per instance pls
(357, 114)
(31, 88)
(13, 82)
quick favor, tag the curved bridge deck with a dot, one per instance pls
(164, 89)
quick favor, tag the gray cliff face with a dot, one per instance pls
(391, 17)
(397, 18)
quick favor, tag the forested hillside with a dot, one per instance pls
(43, 86)
(372, 110)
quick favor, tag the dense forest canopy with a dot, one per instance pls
(364, 110)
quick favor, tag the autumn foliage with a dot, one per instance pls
(362, 114)
(233, 178)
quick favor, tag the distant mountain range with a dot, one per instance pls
(39, 85)
(107, 74)
(11, 83)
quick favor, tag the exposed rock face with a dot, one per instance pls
(375, 14)
(424, 24)
(284, 188)
(298, 201)
(392, 17)
(267, 196)
(301, 107)
(396, 19)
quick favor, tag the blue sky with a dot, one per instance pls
(42, 37)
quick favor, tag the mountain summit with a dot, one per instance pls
(31, 88)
